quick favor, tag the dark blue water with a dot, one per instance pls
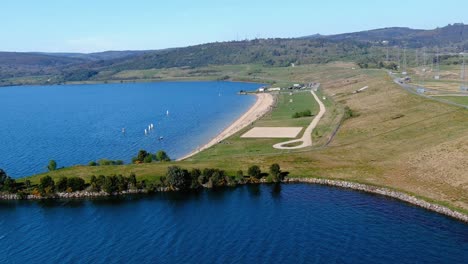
(251, 224)
(75, 124)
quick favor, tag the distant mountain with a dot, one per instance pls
(367, 48)
(35, 59)
(451, 35)
(105, 55)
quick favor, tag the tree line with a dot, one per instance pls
(176, 178)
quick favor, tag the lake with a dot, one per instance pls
(290, 223)
(75, 124)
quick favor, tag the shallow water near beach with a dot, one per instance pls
(290, 223)
(74, 124)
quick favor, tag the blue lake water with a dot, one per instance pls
(295, 223)
(75, 124)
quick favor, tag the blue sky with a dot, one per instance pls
(98, 25)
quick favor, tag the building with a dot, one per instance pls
(272, 89)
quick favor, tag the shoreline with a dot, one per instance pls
(383, 191)
(261, 106)
(401, 196)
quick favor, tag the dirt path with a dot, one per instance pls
(307, 136)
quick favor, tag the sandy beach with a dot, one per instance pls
(261, 107)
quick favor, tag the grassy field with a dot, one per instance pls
(394, 139)
(456, 99)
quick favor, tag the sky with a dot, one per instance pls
(100, 25)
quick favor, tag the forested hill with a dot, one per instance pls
(453, 36)
(366, 47)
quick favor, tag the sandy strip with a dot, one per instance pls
(261, 107)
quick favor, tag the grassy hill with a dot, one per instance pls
(395, 139)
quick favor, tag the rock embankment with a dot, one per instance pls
(386, 192)
(78, 195)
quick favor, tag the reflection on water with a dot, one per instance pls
(268, 223)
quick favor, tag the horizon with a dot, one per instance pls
(68, 27)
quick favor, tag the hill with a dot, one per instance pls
(367, 48)
(455, 36)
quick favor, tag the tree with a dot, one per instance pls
(122, 183)
(254, 171)
(275, 172)
(3, 177)
(194, 174)
(178, 178)
(109, 185)
(62, 184)
(47, 185)
(9, 185)
(52, 165)
(148, 159)
(27, 184)
(92, 163)
(132, 180)
(76, 184)
(162, 156)
(142, 155)
(95, 186)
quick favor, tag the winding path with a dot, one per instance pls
(307, 136)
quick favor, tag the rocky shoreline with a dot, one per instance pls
(343, 184)
(386, 192)
(79, 194)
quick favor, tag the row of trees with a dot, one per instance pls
(175, 178)
(146, 157)
(114, 183)
(47, 185)
(182, 179)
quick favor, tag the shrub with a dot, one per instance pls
(255, 172)
(76, 184)
(275, 172)
(62, 184)
(52, 165)
(304, 113)
(162, 156)
(148, 159)
(142, 155)
(92, 163)
(46, 185)
(349, 113)
(178, 178)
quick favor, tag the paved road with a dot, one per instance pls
(413, 89)
(307, 136)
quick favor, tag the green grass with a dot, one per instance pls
(281, 115)
(456, 99)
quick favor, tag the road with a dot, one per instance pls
(306, 138)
